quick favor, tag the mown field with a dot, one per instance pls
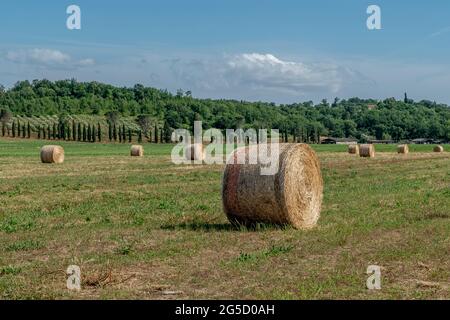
(145, 228)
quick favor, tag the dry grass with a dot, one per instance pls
(144, 228)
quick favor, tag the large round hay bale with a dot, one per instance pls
(367, 150)
(438, 149)
(137, 151)
(195, 152)
(292, 196)
(403, 149)
(353, 149)
(52, 154)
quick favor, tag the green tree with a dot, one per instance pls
(167, 132)
(99, 132)
(110, 133)
(89, 133)
(80, 133)
(94, 134)
(156, 134)
(74, 131)
(84, 133)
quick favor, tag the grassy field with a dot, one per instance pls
(145, 228)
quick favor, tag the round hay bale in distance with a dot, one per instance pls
(438, 149)
(403, 149)
(137, 151)
(292, 196)
(195, 152)
(367, 150)
(52, 154)
(353, 149)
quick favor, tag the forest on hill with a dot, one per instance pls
(359, 118)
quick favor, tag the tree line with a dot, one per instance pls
(304, 121)
(82, 132)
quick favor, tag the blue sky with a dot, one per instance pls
(280, 51)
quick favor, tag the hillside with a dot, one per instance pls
(43, 101)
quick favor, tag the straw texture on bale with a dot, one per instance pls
(353, 149)
(137, 151)
(195, 151)
(403, 148)
(52, 154)
(367, 150)
(292, 196)
(438, 149)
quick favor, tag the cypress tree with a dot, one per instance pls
(167, 133)
(109, 131)
(54, 131)
(58, 130)
(29, 130)
(84, 133)
(39, 132)
(44, 133)
(161, 135)
(3, 129)
(18, 129)
(115, 132)
(74, 130)
(89, 133)
(94, 134)
(79, 131)
(23, 131)
(120, 134)
(124, 134)
(156, 133)
(140, 136)
(99, 132)
(48, 132)
(129, 135)
(63, 131)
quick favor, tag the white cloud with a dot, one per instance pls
(86, 62)
(40, 56)
(263, 73)
(440, 32)
(46, 57)
(266, 71)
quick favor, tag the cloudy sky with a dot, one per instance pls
(277, 50)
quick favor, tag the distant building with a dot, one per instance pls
(330, 140)
(381, 141)
(423, 141)
(371, 106)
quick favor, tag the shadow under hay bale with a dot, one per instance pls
(292, 196)
(367, 150)
(137, 151)
(52, 154)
